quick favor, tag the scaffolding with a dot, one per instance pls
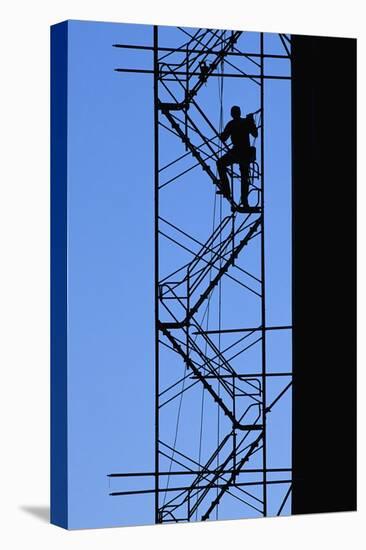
(198, 355)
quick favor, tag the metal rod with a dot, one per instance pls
(194, 472)
(263, 279)
(251, 375)
(211, 52)
(213, 486)
(232, 330)
(156, 259)
(218, 75)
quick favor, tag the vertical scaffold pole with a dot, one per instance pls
(156, 274)
(263, 279)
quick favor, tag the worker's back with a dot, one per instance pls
(239, 130)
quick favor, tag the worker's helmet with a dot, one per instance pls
(235, 111)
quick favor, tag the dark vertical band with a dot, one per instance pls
(324, 274)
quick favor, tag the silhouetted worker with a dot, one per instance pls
(238, 129)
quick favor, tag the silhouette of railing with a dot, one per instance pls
(222, 267)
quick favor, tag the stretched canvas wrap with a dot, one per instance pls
(202, 274)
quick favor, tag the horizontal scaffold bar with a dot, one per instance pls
(215, 486)
(204, 50)
(196, 73)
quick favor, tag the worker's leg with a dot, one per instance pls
(222, 164)
(244, 176)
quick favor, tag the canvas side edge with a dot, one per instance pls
(59, 432)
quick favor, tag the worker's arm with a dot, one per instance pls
(252, 127)
(226, 133)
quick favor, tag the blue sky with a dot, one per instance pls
(111, 264)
